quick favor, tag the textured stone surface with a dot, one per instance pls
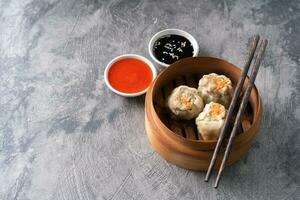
(64, 135)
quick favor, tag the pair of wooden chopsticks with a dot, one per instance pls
(233, 104)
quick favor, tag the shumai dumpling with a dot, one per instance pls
(215, 88)
(211, 120)
(185, 102)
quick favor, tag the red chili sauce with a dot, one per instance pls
(130, 75)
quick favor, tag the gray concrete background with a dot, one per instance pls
(64, 135)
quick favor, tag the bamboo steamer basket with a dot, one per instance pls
(178, 142)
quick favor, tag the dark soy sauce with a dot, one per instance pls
(170, 48)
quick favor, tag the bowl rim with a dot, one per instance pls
(237, 139)
(123, 56)
(167, 32)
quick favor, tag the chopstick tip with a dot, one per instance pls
(217, 182)
(256, 36)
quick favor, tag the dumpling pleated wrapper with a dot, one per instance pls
(185, 102)
(215, 88)
(211, 120)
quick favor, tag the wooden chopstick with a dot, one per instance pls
(243, 105)
(253, 44)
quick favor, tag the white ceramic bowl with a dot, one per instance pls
(138, 57)
(168, 32)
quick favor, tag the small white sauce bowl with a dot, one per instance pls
(121, 57)
(169, 32)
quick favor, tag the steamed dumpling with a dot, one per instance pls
(211, 120)
(185, 102)
(215, 88)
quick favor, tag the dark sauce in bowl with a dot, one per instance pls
(170, 48)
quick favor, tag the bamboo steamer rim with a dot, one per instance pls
(208, 144)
